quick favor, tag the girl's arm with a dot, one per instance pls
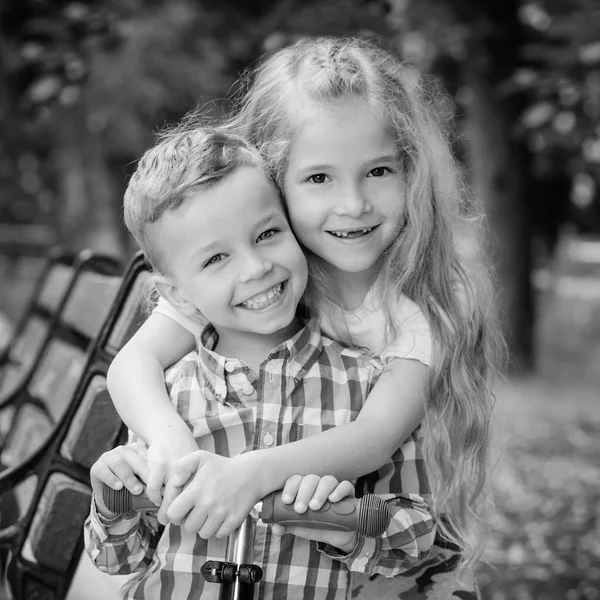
(231, 487)
(392, 411)
(136, 384)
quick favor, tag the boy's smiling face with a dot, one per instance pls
(232, 255)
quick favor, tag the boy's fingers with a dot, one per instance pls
(325, 487)
(344, 490)
(101, 472)
(290, 489)
(306, 491)
(278, 530)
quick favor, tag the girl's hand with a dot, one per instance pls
(163, 454)
(220, 492)
(121, 466)
(312, 491)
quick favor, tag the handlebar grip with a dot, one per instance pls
(123, 501)
(368, 515)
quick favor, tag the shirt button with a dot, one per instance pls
(229, 367)
(248, 390)
(268, 440)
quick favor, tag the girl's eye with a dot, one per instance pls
(379, 171)
(265, 235)
(318, 178)
(213, 260)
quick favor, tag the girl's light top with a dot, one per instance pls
(366, 327)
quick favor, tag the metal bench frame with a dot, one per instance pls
(28, 578)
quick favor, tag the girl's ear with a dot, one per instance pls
(171, 293)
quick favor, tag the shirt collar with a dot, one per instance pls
(296, 355)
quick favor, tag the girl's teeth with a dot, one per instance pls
(345, 234)
(263, 300)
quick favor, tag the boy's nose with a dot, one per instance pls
(255, 266)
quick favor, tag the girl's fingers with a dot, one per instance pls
(290, 489)
(323, 490)
(185, 467)
(343, 490)
(157, 473)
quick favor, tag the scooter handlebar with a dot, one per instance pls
(368, 515)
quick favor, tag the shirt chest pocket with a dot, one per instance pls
(222, 428)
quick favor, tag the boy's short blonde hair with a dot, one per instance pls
(182, 162)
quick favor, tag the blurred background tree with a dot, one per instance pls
(85, 85)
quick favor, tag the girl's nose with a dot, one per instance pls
(255, 266)
(353, 202)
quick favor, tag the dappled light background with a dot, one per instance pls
(84, 85)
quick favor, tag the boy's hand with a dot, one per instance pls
(220, 494)
(121, 466)
(312, 491)
(163, 454)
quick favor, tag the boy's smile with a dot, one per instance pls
(232, 256)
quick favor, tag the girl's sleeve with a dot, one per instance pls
(195, 325)
(124, 553)
(413, 340)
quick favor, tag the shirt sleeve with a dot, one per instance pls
(195, 325)
(128, 548)
(414, 335)
(410, 535)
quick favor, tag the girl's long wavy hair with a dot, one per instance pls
(436, 259)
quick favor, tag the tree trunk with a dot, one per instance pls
(499, 170)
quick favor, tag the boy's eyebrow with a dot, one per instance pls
(205, 249)
(268, 218)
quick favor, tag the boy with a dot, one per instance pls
(213, 226)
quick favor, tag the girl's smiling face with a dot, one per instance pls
(344, 188)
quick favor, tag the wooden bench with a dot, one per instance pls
(69, 421)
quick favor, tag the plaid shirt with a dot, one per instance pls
(307, 385)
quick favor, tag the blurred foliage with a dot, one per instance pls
(145, 62)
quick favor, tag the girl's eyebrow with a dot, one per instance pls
(309, 168)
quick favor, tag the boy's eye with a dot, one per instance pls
(379, 171)
(318, 178)
(265, 235)
(214, 260)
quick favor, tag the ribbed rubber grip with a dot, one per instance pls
(123, 501)
(368, 515)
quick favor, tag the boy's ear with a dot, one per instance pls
(171, 292)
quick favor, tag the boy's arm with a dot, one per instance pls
(411, 533)
(228, 488)
(125, 547)
(119, 544)
(136, 384)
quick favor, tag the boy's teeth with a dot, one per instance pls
(263, 300)
(355, 233)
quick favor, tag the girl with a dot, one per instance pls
(378, 203)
